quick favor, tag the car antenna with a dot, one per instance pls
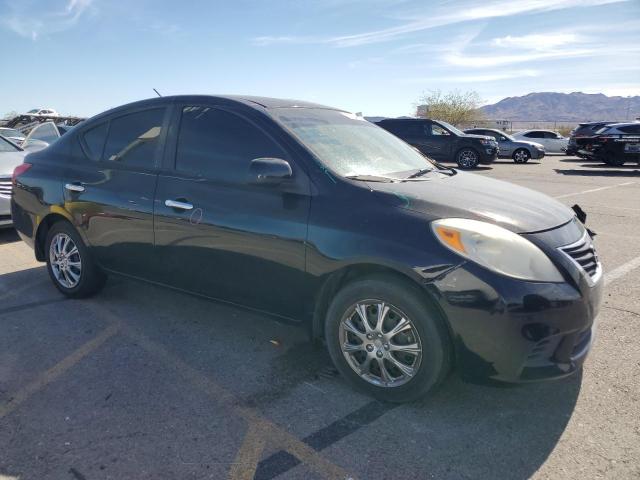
(157, 92)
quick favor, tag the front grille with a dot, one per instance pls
(583, 254)
(5, 187)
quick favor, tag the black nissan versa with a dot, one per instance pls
(404, 267)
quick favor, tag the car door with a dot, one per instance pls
(438, 140)
(218, 233)
(109, 188)
(538, 137)
(556, 142)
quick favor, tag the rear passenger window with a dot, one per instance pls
(630, 129)
(534, 135)
(134, 139)
(94, 141)
(216, 144)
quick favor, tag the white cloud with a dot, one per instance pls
(438, 16)
(475, 78)
(546, 41)
(33, 21)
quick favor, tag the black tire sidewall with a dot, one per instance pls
(436, 350)
(87, 281)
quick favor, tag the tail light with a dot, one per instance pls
(19, 170)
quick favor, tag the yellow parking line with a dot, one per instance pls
(277, 437)
(58, 369)
(250, 453)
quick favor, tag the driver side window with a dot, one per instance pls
(438, 130)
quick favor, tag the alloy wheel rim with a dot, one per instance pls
(467, 158)
(380, 343)
(65, 260)
(521, 156)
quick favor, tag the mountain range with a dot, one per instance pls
(553, 106)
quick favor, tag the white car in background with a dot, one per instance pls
(39, 112)
(10, 157)
(552, 141)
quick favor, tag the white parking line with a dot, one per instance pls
(622, 270)
(595, 190)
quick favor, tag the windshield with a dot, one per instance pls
(7, 146)
(451, 128)
(35, 110)
(349, 145)
(11, 132)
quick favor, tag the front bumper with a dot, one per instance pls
(488, 155)
(515, 331)
(5, 211)
(537, 154)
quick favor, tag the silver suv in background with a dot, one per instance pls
(519, 150)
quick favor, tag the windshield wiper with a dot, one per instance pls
(451, 171)
(419, 173)
(370, 178)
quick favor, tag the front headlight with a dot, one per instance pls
(496, 248)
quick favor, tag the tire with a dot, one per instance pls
(426, 337)
(467, 158)
(70, 264)
(521, 155)
(613, 161)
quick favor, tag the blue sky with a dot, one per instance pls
(84, 56)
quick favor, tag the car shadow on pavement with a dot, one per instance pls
(8, 235)
(602, 170)
(495, 432)
(461, 431)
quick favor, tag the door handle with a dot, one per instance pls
(74, 187)
(178, 205)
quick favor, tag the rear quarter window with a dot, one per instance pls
(93, 141)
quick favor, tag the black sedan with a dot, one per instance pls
(404, 267)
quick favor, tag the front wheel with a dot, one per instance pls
(521, 155)
(70, 264)
(386, 340)
(467, 158)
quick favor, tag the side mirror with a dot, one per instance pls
(269, 171)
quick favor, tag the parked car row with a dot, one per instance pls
(612, 143)
(443, 142)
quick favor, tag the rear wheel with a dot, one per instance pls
(467, 158)
(521, 155)
(612, 160)
(70, 264)
(386, 340)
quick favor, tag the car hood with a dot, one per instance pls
(473, 135)
(467, 195)
(524, 143)
(9, 161)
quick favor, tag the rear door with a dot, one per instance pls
(109, 188)
(229, 238)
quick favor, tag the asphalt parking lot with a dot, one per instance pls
(141, 382)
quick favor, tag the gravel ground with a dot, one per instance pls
(141, 382)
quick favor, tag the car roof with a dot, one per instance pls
(622, 124)
(258, 103)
